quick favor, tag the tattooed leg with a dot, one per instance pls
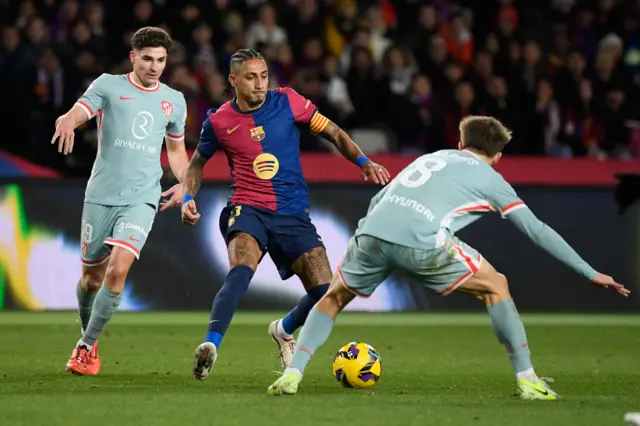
(244, 255)
(313, 268)
(314, 271)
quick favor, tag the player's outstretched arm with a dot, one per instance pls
(342, 141)
(93, 100)
(65, 127)
(548, 239)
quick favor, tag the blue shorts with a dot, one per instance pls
(285, 238)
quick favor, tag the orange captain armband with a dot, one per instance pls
(318, 123)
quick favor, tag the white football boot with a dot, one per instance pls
(632, 419)
(204, 358)
(286, 345)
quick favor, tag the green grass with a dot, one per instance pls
(439, 369)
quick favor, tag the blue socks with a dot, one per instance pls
(224, 304)
(298, 315)
(235, 285)
(315, 332)
(509, 330)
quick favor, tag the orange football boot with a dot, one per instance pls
(83, 362)
(93, 362)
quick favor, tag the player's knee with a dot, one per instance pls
(501, 285)
(91, 280)
(497, 289)
(338, 297)
(116, 272)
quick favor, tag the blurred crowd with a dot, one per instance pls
(563, 74)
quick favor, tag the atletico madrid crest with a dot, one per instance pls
(167, 108)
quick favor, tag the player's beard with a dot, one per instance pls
(255, 101)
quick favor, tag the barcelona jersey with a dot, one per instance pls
(263, 149)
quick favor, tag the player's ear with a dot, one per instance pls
(460, 146)
(132, 56)
(232, 81)
(496, 158)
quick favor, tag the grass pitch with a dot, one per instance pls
(438, 369)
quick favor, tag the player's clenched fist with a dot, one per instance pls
(65, 126)
(190, 213)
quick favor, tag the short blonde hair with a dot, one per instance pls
(484, 133)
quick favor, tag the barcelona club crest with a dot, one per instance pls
(257, 133)
(167, 108)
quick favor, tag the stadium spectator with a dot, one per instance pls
(565, 78)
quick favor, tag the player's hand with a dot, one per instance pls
(375, 172)
(190, 214)
(605, 281)
(65, 133)
(175, 194)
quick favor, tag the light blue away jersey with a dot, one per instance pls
(132, 124)
(443, 192)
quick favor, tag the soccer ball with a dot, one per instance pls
(357, 365)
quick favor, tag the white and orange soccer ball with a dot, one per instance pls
(357, 365)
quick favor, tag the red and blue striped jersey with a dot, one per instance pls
(263, 149)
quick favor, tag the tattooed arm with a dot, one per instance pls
(193, 175)
(341, 140)
(192, 179)
(321, 125)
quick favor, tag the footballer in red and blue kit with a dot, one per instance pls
(263, 148)
(269, 198)
(268, 205)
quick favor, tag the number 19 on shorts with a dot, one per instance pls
(86, 232)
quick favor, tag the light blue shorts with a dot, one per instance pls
(106, 226)
(369, 261)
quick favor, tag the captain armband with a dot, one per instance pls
(318, 123)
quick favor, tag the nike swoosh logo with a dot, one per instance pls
(545, 393)
(229, 131)
(212, 321)
(133, 239)
(124, 98)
